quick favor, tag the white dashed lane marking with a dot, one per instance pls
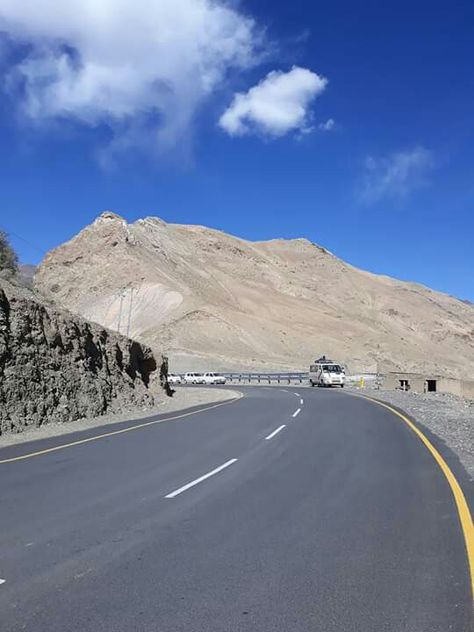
(275, 432)
(196, 481)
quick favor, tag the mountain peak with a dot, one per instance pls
(152, 220)
(109, 216)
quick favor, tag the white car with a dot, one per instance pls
(214, 378)
(174, 379)
(194, 378)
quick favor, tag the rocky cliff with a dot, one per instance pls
(56, 368)
(214, 301)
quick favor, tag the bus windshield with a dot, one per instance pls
(332, 368)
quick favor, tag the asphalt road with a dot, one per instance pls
(244, 517)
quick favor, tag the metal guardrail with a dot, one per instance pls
(279, 378)
(288, 378)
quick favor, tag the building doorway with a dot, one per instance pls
(431, 386)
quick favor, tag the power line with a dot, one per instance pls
(34, 246)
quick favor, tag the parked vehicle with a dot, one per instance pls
(193, 378)
(325, 372)
(174, 379)
(214, 378)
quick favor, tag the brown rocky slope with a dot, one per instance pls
(55, 367)
(218, 302)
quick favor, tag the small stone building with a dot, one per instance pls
(428, 383)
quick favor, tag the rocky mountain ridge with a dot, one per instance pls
(55, 367)
(214, 301)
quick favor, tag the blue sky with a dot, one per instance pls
(347, 123)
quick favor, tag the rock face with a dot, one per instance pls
(56, 368)
(26, 274)
(213, 301)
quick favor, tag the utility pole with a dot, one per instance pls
(120, 311)
(130, 312)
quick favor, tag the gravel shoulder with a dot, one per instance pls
(182, 399)
(448, 417)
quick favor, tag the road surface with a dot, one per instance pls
(290, 510)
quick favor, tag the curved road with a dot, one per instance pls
(246, 516)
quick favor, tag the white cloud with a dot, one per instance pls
(327, 126)
(128, 64)
(396, 175)
(277, 105)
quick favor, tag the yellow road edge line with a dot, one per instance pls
(30, 455)
(465, 517)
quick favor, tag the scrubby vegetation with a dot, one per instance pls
(8, 257)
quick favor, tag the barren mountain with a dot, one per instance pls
(218, 302)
